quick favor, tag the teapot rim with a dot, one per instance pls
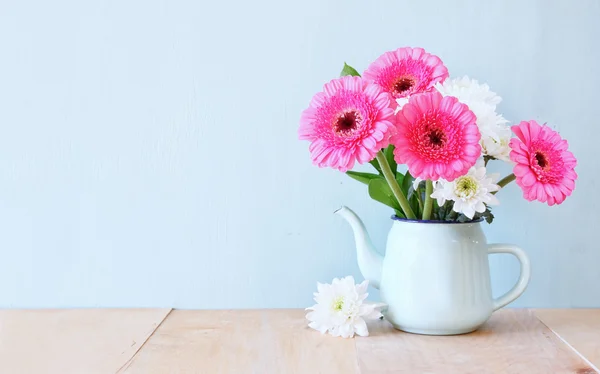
(396, 218)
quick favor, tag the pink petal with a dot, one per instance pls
(457, 165)
(520, 170)
(569, 183)
(332, 87)
(540, 193)
(528, 179)
(534, 129)
(363, 155)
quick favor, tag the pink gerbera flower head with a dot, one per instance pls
(406, 71)
(437, 137)
(351, 120)
(545, 169)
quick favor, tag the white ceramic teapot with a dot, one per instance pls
(435, 276)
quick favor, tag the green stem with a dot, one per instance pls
(428, 200)
(504, 181)
(391, 180)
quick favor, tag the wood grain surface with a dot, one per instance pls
(512, 341)
(77, 341)
(254, 341)
(580, 328)
(277, 341)
(146, 341)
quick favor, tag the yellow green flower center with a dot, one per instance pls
(338, 304)
(466, 187)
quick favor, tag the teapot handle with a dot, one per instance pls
(524, 277)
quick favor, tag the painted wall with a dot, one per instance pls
(148, 152)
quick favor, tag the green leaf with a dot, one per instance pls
(362, 177)
(380, 191)
(389, 156)
(451, 214)
(399, 213)
(349, 70)
(442, 211)
(489, 217)
(375, 164)
(399, 178)
(462, 218)
(407, 182)
(413, 201)
(436, 210)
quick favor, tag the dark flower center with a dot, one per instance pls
(437, 138)
(404, 84)
(547, 162)
(541, 159)
(347, 122)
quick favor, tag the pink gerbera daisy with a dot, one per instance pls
(406, 71)
(437, 137)
(545, 169)
(351, 120)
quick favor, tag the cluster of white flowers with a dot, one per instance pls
(495, 133)
(473, 191)
(470, 192)
(341, 309)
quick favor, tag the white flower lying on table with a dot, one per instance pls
(341, 309)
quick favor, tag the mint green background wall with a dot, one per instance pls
(148, 152)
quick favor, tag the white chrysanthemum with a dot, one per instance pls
(494, 142)
(469, 91)
(340, 308)
(470, 192)
(416, 183)
(482, 103)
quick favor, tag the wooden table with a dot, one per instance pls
(89, 341)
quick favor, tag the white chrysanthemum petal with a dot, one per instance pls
(470, 192)
(495, 134)
(468, 211)
(360, 327)
(320, 328)
(373, 314)
(341, 309)
(366, 309)
(362, 287)
(416, 183)
(334, 330)
(346, 331)
(439, 196)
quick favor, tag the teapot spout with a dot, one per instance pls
(370, 261)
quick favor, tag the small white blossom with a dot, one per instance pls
(341, 309)
(416, 183)
(470, 92)
(495, 134)
(470, 192)
(494, 142)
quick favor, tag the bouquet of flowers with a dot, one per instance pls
(405, 109)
